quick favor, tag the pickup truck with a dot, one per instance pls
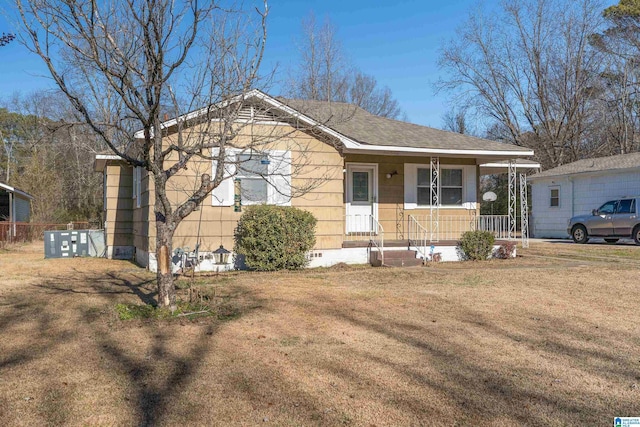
(612, 221)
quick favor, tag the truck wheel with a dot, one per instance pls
(636, 234)
(579, 234)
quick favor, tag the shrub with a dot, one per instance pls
(476, 245)
(506, 250)
(275, 237)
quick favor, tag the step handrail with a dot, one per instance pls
(376, 237)
(419, 235)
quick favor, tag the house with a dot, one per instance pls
(15, 205)
(579, 187)
(370, 182)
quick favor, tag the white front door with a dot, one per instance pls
(361, 197)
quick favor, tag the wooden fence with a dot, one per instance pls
(15, 232)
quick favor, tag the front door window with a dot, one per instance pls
(360, 186)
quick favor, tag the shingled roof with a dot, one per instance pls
(366, 128)
(620, 161)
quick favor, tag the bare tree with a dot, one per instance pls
(531, 68)
(325, 74)
(457, 120)
(620, 74)
(120, 63)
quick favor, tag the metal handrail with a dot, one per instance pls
(415, 230)
(376, 237)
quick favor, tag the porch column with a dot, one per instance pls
(524, 210)
(434, 213)
(513, 188)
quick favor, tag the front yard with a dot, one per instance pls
(550, 338)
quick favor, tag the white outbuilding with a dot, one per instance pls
(579, 187)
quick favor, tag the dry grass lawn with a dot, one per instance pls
(550, 338)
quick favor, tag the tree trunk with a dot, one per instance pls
(164, 275)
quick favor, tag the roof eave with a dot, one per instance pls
(401, 151)
(100, 162)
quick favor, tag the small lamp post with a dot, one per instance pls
(221, 255)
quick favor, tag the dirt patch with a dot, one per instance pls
(549, 338)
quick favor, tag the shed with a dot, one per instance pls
(577, 188)
(15, 205)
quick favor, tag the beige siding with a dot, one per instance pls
(315, 163)
(118, 209)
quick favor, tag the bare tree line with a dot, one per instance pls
(557, 76)
(47, 153)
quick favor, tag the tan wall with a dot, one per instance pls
(391, 212)
(119, 220)
(314, 162)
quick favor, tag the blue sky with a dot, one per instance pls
(395, 41)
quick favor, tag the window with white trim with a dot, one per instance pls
(451, 187)
(265, 177)
(252, 171)
(554, 197)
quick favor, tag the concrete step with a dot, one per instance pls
(400, 262)
(395, 259)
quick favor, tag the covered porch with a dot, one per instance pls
(382, 213)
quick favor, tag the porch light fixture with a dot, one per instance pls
(389, 175)
(221, 255)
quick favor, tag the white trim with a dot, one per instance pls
(108, 157)
(16, 191)
(551, 188)
(347, 205)
(506, 165)
(411, 186)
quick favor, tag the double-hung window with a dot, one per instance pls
(451, 187)
(450, 191)
(253, 170)
(554, 197)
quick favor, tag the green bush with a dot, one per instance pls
(476, 245)
(275, 237)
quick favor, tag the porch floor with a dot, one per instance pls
(404, 243)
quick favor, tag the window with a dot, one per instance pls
(554, 200)
(450, 187)
(252, 170)
(424, 187)
(626, 206)
(264, 178)
(608, 208)
(360, 186)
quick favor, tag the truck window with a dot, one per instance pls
(626, 206)
(608, 208)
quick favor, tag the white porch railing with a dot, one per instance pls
(418, 237)
(365, 228)
(452, 227)
(497, 224)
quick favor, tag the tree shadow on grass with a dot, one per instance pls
(64, 310)
(485, 392)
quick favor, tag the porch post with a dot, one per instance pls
(524, 211)
(513, 185)
(434, 217)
